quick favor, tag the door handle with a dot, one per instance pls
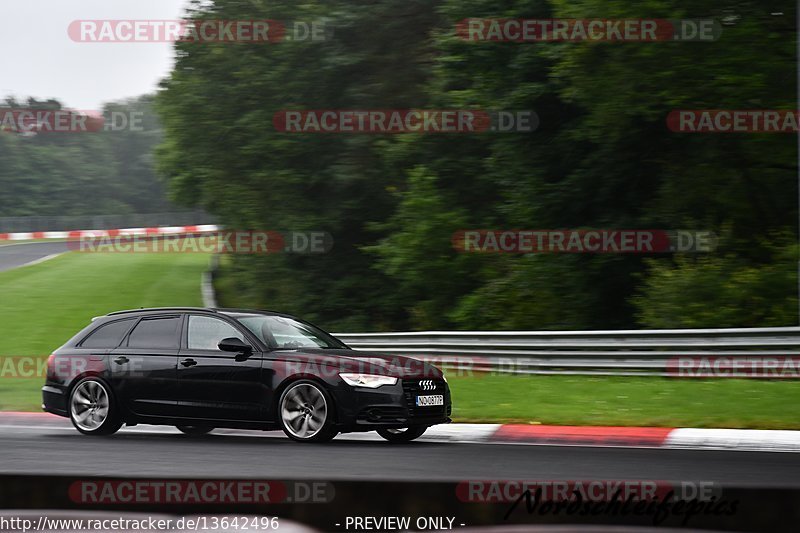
(188, 362)
(121, 360)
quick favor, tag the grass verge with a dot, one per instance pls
(627, 401)
(44, 305)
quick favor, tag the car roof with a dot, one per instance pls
(219, 310)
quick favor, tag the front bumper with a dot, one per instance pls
(363, 409)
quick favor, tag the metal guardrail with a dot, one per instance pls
(735, 352)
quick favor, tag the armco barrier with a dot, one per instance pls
(743, 352)
(46, 223)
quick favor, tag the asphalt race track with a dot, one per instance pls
(16, 255)
(39, 444)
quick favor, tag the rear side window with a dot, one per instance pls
(108, 335)
(159, 333)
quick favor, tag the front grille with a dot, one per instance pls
(416, 387)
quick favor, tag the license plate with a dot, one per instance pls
(426, 401)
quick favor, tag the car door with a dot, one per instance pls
(214, 384)
(144, 367)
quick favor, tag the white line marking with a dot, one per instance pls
(34, 243)
(40, 260)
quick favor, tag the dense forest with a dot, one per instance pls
(106, 170)
(602, 156)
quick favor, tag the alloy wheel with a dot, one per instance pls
(90, 405)
(304, 411)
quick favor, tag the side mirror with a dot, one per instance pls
(232, 344)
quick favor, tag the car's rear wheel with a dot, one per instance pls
(92, 409)
(195, 430)
(402, 434)
(306, 412)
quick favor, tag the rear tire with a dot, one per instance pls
(305, 411)
(92, 409)
(402, 434)
(195, 430)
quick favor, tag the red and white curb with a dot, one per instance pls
(636, 437)
(627, 437)
(734, 439)
(100, 233)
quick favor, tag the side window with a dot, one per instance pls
(161, 333)
(206, 332)
(108, 335)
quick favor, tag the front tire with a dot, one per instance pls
(92, 408)
(195, 431)
(402, 434)
(306, 412)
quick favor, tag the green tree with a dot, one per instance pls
(82, 173)
(222, 153)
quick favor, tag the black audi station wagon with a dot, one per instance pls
(200, 369)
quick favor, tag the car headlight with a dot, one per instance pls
(370, 381)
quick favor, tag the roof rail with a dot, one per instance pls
(147, 309)
(241, 310)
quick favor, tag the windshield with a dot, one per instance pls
(287, 333)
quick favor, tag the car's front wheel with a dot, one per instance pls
(306, 412)
(195, 430)
(402, 434)
(92, 409)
